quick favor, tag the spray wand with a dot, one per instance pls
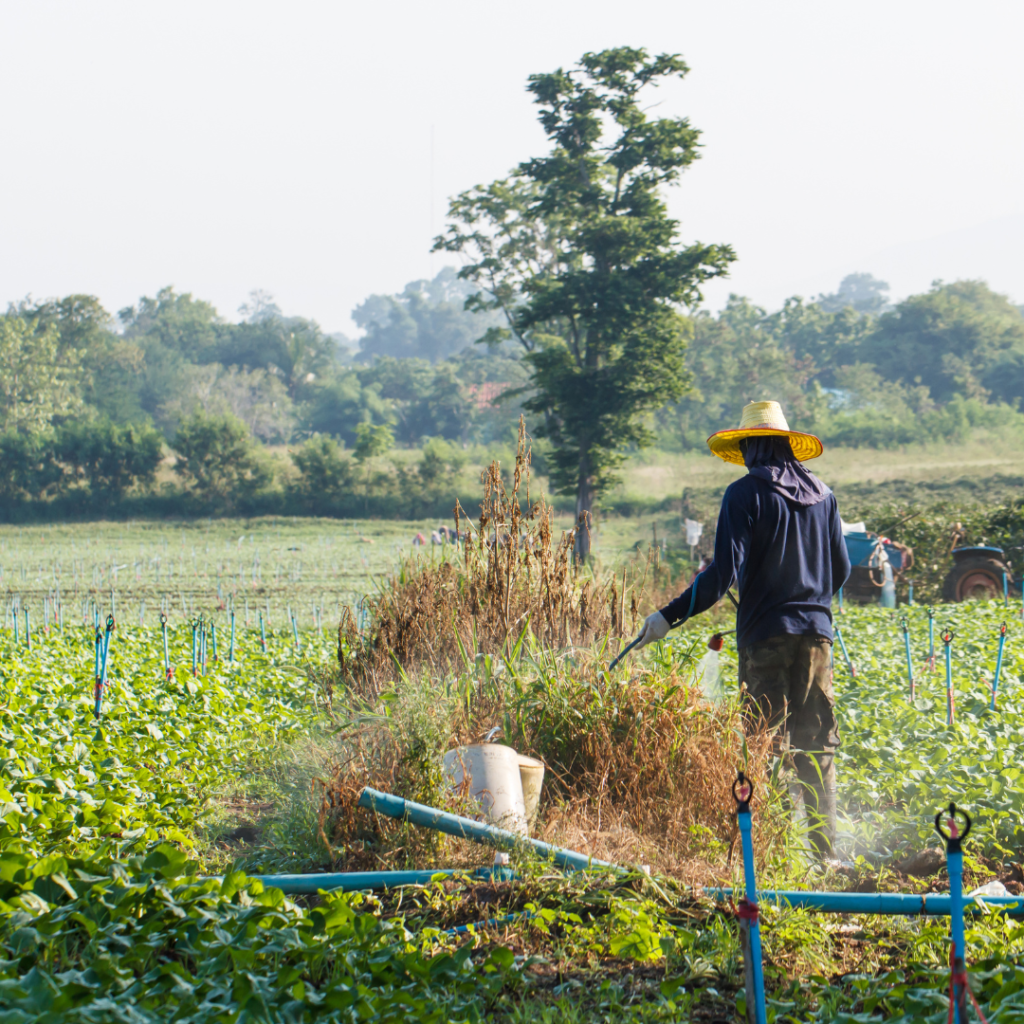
(714, 644)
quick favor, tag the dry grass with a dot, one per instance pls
(638, 771)
(512, 577)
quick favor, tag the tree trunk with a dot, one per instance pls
(584, 503)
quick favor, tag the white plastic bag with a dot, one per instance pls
(694, 531)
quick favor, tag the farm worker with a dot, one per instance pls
(779, 537)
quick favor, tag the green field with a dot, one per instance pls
(107, 824)
(312, 567)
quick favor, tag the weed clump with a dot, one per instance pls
(505, 578)
(637, 770)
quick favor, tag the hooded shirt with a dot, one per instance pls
(771, 459)
(780, 539)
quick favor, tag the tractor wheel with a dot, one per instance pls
(978, 579)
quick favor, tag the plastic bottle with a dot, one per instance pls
(888, 595)
(708, 675)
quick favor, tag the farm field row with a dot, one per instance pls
(309, 568)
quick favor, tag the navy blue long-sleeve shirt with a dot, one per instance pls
(788, 560)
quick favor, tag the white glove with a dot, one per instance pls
(655, 627)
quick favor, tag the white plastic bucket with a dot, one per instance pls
(494, 780)
(531, 774)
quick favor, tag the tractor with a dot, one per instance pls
(979, 573)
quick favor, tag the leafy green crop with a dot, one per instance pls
(140, 774)
(104, 915)
(900, 762)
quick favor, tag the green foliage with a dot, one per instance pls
(105, 915)
(83, 788)
(109, 459)
(863, 293)
(338, 405)
(927, 369)
(176, 322)
(259, 398)
(425, 400)
(325, 472)
(115, 366)
(737, 357)
(218, 460)
(440, 460)
(233, 951)
(578, 250)
(28, 465)
(98, 916)
(39, 380)
(899, 758)
(426, 321)
(372, 442)
(956, 339)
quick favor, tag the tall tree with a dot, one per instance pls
(578, 250)
(116, 366)
(39, 380)
(960, 338)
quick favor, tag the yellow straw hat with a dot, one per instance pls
(763, 419)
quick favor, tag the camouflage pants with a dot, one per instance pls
(787, 683)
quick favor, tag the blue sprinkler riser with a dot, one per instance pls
(360, 881)
(886, 903)
(755, 968)
(477, 832)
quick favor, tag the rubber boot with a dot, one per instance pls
(817, 773)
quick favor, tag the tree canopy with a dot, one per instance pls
(579, 252)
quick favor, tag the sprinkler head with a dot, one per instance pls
(715, 643)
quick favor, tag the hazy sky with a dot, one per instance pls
(226, 146)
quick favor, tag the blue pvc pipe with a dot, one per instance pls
(167, 660)
(999, 665)
(101, 680)
(910, 664)
(263, 633)
(896, 904)
(353, 881)
(950, 713)
(955, 870)
(491, 922)
(756, 963)
(231, 644)
(476, 831)
(846, 655)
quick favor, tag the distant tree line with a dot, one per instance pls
(857, 370)
(169, 399)
(170, 404)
